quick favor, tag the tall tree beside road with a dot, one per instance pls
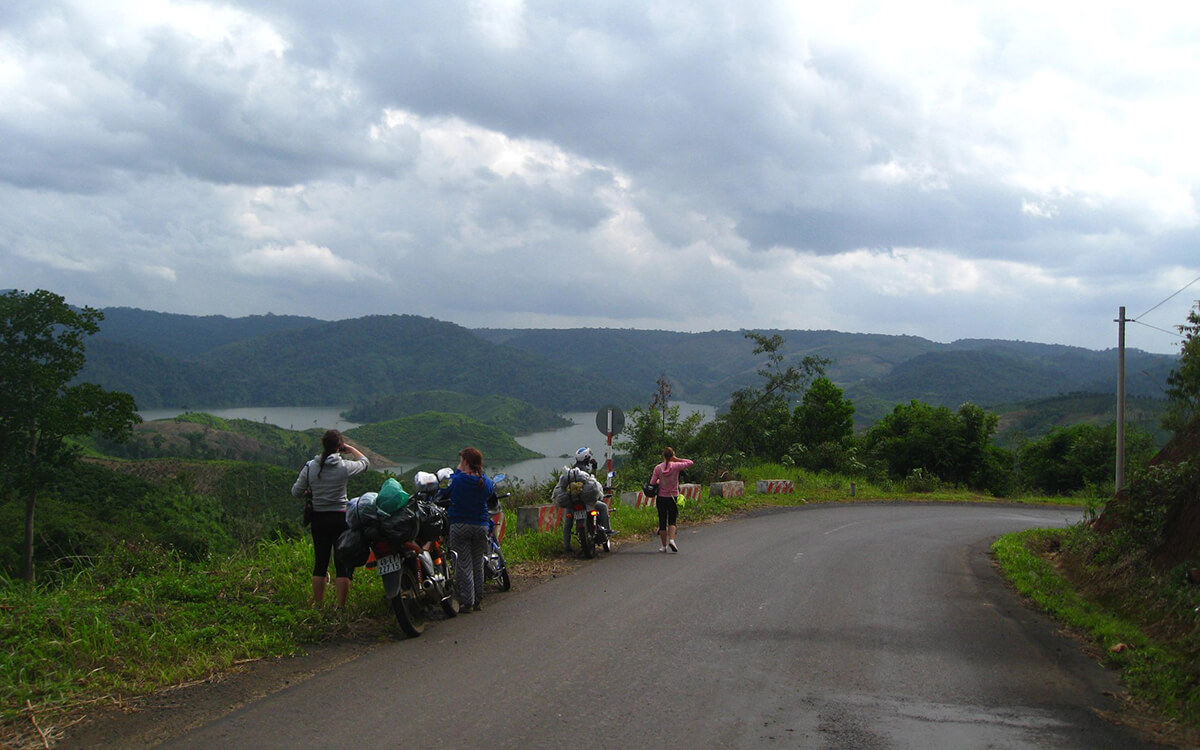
(41, 352)
(757, 422)
(1183, 384)
(950, 445)
(823, 429)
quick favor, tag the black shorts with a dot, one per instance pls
(327, 526)
(668, 512)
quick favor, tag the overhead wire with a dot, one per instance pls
(1160, 304)
(1147, 325)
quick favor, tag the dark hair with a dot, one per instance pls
(331, 442)
(668, 455)
(473, 458)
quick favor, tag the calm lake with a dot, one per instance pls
(556, 445)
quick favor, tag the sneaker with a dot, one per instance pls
(674, 547)
(610, 532)
(662, 549)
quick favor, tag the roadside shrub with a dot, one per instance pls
(1137, 520)
(919, 480)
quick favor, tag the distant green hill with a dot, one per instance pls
(196, 435)
(875, 371)
(181, 361)
(312, 363)
(435, 435)
(199, 508)
(1032, 419)
(510, 415)
(189, 336)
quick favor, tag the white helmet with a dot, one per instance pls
(425, 481)
(583, 454)
(444, 473)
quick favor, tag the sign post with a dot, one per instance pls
(610, 420)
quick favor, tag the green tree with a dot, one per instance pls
(1183, 384)
(758, 420)
(954, 446)
(648, 430)
(823, 416)
(1071, 458)
(41, 352)
(823, 430)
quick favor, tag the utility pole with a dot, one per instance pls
(1120, 400)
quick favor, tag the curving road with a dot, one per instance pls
(853, 626)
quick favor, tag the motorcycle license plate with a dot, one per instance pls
(580, 514)
(388, 564)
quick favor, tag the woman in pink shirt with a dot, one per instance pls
(666, 476)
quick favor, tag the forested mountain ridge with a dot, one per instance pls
(876, 371)
(174, 360)
(331, 363)
(187, 336)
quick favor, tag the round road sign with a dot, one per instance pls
(618, 419)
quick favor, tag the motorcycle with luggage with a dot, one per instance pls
(408, 540)
(577, 492)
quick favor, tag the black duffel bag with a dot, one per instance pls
(435, 523)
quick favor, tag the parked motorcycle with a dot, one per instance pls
(495, 570)
(419, 573)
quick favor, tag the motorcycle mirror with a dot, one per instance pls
(499, 477)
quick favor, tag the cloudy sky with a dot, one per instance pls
(1014, 170)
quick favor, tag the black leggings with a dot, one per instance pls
(327, 526)
(668, 512)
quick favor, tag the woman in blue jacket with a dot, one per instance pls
(470, 489)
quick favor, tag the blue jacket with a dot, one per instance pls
(469, 499)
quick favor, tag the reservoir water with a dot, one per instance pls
(555, 445)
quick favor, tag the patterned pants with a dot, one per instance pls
(469, 542)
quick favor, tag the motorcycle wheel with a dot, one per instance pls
(450, 604)
(407, 604)
(502, 575)
(587, 539)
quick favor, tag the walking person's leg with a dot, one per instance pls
(672, 520)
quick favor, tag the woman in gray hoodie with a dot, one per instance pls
(325, 476)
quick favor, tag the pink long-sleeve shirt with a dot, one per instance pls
(667, 476)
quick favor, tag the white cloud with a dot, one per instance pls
(860, 166)
(301, 261)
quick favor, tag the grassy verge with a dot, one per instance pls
(1144, 624)
(143, 618)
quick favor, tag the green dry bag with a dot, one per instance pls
(391, 499)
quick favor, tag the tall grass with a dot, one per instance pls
(143, 618)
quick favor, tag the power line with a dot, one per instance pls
(1185, 286)
(1147, 325)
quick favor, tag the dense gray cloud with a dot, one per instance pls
(964, 170)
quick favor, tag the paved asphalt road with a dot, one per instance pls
(863, 626)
